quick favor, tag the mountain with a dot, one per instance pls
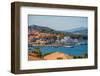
(46, 29)
(39, 28)
(79, 30)
(76, 29)
(75, 33)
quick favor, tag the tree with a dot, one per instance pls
(38, 51)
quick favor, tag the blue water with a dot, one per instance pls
(76, 50)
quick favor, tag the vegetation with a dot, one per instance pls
(37, 51)
(82, 56)
(52, 31)
(59, 58)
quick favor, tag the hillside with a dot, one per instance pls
(73, 34)
(80, 30)
(47, 30)
(39, 28)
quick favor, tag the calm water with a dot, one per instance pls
(76, 50)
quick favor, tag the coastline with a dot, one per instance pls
(51, 56)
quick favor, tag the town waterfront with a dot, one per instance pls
(57, 37)
(77, 50)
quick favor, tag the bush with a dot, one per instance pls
(59, 58)
(38, 51)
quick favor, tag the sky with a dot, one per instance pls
(58, 22)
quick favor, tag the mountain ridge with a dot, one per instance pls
(44, 29)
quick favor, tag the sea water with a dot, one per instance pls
(76, 50)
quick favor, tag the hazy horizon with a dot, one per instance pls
(56, 22)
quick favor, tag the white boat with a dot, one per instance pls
(68, 46)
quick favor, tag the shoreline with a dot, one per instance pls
(51, 56)
(55, 56)
(55, 45)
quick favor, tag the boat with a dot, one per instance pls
(69, 46)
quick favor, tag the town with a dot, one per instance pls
(48, 44)
(36, 38)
